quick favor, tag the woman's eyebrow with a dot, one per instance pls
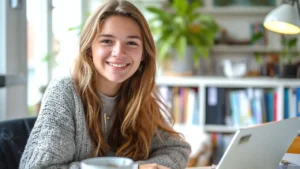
(106, 35)
(134, 37)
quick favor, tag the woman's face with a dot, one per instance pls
(117, 50)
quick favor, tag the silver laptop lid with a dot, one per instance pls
(261, 146)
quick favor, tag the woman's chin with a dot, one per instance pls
(117, 79)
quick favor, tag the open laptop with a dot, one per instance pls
(261, 146)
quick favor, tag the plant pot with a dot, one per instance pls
(180, 66)
(288, 70)
(270, 69)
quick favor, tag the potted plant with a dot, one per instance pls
(288, 69)
(182, 33)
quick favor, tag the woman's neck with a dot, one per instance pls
(108, 88)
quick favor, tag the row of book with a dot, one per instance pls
(231, 107)
(244, 107)
(184, 103)
(241, 107)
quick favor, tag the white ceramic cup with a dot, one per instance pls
(107, 163)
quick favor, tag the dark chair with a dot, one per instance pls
(13, 138)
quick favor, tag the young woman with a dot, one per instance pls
(109, 106)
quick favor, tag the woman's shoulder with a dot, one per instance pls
(63, 84)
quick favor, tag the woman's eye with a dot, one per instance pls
(106, 41)
(132, 43)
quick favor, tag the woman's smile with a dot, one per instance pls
(118, 65)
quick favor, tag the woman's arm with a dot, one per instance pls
(170, 151)
(52, 140)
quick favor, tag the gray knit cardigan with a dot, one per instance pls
(60, 137)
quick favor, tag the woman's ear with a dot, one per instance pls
(143, 56)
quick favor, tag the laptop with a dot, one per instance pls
(261, 146)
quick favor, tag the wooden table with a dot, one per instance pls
(295, 146)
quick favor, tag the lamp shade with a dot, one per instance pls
(283, 19)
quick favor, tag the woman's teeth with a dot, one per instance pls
(117, 65)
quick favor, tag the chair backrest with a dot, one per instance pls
(13, 138)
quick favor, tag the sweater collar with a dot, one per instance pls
(108, 103)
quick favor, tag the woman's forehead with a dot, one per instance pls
(120, 25)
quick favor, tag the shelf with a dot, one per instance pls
(237, 10)
(233, 11)
(247, 49)
(195, 81)
(244, 49)
(220, 128)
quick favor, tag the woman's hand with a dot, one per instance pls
(152, 166)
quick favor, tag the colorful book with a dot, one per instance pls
(286, 113)
(297, 91)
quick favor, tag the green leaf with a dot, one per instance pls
(47, 58)
(292, 42)
(162, 51)
(258, 58)
(75, 28)
(162, 15)
(196, 58)
(192, 17)
(180, 6)
(165, 46)
(180, 24)
(192, 10)
(193, 5)
(181, 46)
(255, 37)
(202, 50)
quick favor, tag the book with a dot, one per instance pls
(297, 91)
(215, 106)
(286, 107)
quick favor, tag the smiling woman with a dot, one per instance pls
(109, 106)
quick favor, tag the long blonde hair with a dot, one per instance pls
(139, 108)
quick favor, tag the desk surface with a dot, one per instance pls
(293, 158)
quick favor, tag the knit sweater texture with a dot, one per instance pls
(60, 137)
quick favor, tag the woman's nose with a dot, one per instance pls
(118, 50)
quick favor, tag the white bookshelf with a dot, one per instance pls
(202, 82)
(235, 10)
(206, 81)
(245, 49)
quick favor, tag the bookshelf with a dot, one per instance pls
(218, 136)
(238, 23)
(201, 83)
